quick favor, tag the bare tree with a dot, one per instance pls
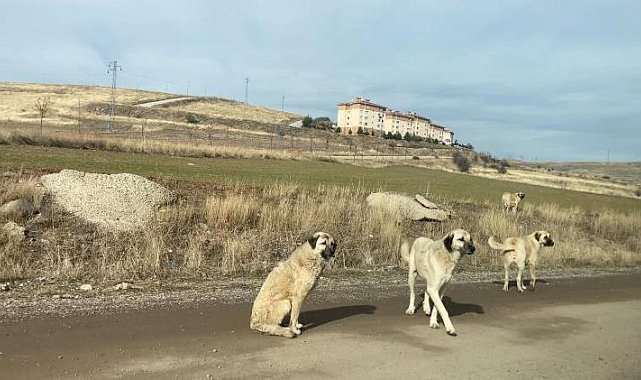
(42, 105)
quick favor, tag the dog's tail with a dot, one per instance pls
(495, 244)
(405, 250)
(270, 329)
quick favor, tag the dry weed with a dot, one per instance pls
(244, 230)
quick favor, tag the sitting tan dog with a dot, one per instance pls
(287, 286)
(519, 250)
(511, 201)
(435, 261)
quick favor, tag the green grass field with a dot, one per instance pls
(405, 179)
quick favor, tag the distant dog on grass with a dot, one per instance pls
(287, 286)
(511, 201)
(435, 261)
(519, 250)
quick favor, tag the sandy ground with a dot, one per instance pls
(567, 328)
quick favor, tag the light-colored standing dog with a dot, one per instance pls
(511, 201)
(519, 250)
(435, 261)
(287, 286)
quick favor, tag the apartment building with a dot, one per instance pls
(441, 133)
(378, 120)
(360, 113)
(420, 125)
(395, 121)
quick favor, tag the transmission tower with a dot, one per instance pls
(246, 89)
(113, 68)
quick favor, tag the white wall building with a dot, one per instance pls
(378, 120)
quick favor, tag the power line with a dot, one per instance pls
(113, 67)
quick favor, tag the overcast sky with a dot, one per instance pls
(545, 80)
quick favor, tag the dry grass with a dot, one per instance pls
(266, 224)
(68, 102)
(229, 109)
(115, 144)
(556, 180)
(17, 100)
(245, 230)
(582, 238)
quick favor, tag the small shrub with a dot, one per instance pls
(307, 121)
(461, 162)
(192, 119)
(637, 192)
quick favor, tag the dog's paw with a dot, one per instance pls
(295, 330)
(299, 325)
(505, 288)
(434, 325)
(451, 332)
(409, 311)
(289, 334)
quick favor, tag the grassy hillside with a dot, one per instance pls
(69, 103)
(621, 171)
(239, 216)
(307, 173)
(227, 128)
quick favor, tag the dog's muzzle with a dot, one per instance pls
(549, 243)
(470, 248)
(328, 253)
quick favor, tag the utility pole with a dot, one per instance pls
(282, 104)
(246, 89)
(113, 67)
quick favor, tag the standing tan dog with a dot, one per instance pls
(435, 261)
(519, 250)
(511, 201)
(287, 286)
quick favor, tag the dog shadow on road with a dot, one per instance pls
(527, 283)
(315, 318)
(455, 308)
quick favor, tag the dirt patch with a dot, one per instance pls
(120, 201)
(549, 333)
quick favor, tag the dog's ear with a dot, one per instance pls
(448, 242)
(312, 241)
(537, 236)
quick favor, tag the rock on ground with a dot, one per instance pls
(120, 201)
(403, 207)
(13, 232)
(18, 208)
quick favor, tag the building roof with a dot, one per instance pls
(362, 101)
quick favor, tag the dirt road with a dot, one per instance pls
(164, 101)
(567, 328)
